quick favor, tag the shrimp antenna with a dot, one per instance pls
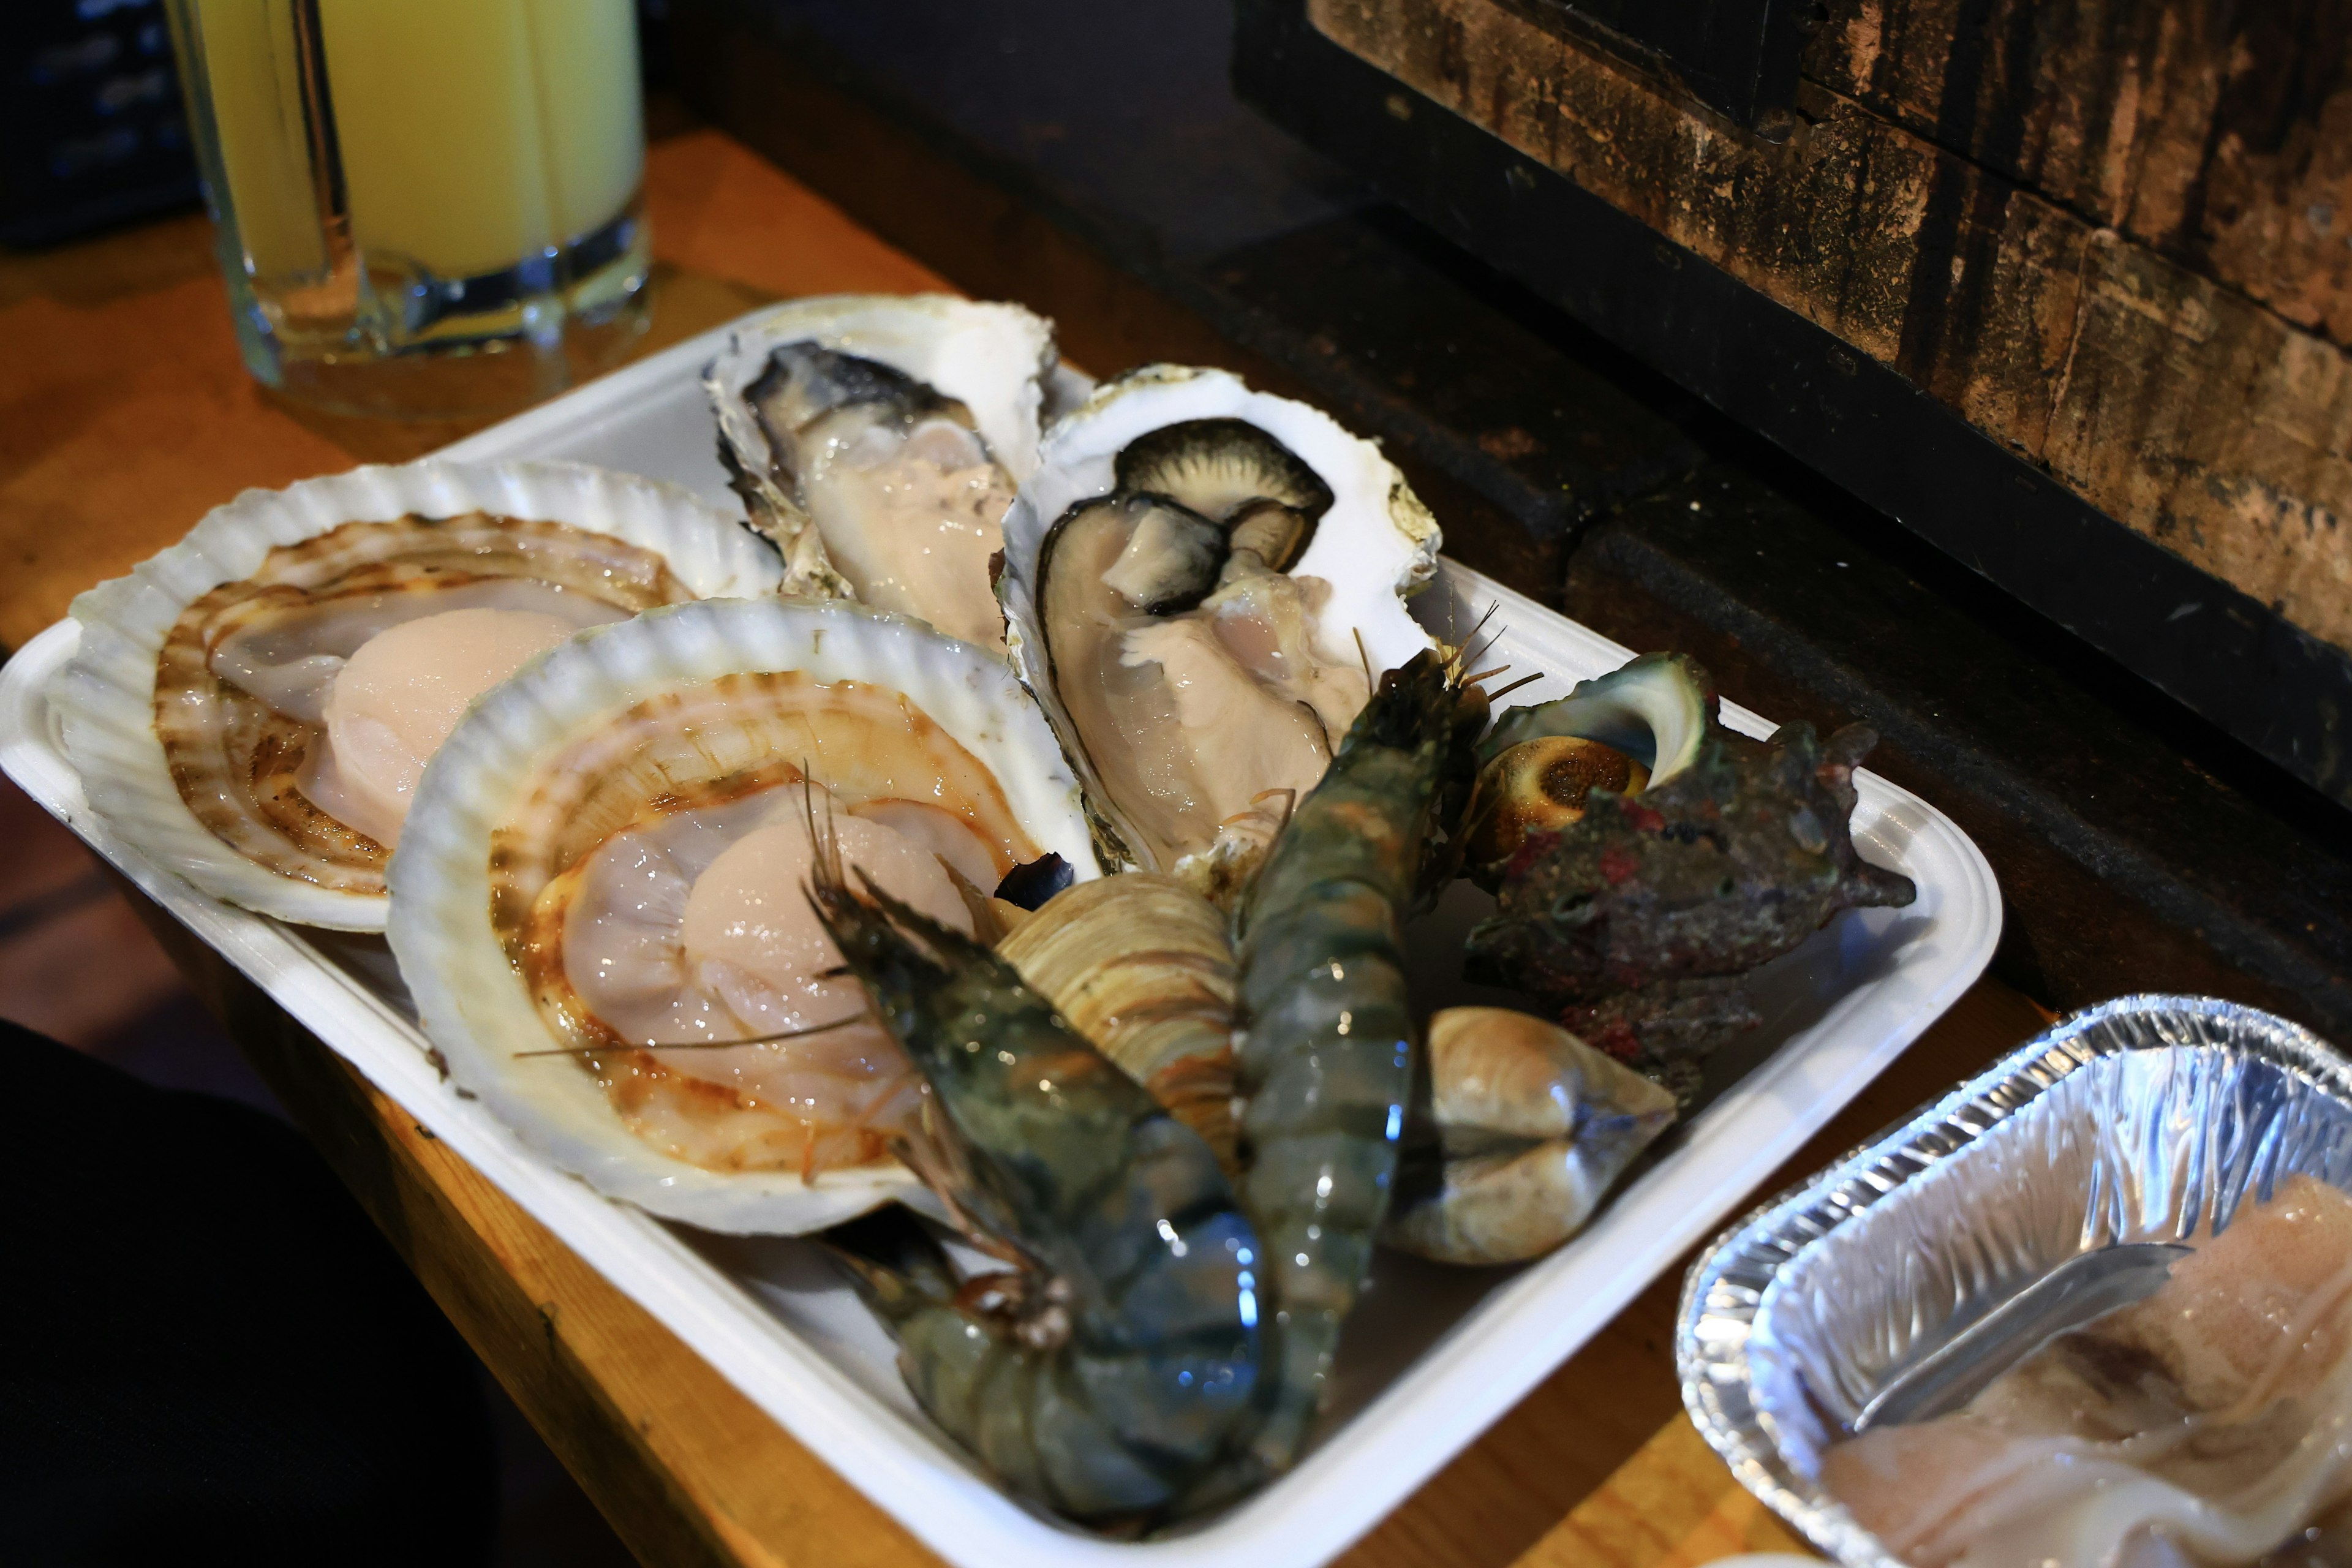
(1289, 801)
(1502, 691)
(1454, 620)
(934, 1151)
(1365, 658)
(1470, 654)
(1480, 623)
(856, 1017)
(824, 848)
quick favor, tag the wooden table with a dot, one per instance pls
(125, 414)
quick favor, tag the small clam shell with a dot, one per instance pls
(484, 796)
(1140, 964)
(1529, 1127)
(105, 698)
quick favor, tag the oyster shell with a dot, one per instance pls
(199, 704)
(559, 903)
(879, 439)
(1199, 583)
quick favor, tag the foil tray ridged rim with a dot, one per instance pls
(1726, 1289)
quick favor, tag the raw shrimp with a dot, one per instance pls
(1111, 1368)
(1325, 1053)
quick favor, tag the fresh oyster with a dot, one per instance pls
(599, 905)
(879, 440)
(253, 706)
(1201, 583)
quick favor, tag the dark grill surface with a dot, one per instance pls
(91, 130)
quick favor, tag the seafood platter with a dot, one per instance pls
(1040, 926)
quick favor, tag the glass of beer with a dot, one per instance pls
(424, 208)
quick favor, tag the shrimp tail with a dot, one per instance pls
(1465, 709)
(897, 1265)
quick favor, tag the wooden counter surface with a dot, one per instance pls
(125, 414)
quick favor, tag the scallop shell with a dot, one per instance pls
(1376, 545)
(998, 360)
(476, 1006)
(105, 698)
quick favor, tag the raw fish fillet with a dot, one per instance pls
(2209, 1423)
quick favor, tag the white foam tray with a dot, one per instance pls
(1434, 1355)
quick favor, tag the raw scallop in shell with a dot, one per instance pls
(253, 706)
(1201, 583)
(600, 906)
(879, 439)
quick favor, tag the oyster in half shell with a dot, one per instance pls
(599, 907)
(1201, 583)
(253, 706)
(879, 440)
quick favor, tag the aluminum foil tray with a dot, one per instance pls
(2141, 1119)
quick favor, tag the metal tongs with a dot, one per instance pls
(2088, 1285)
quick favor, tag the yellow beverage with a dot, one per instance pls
(474, 134)
(252, 68)
(425, 207)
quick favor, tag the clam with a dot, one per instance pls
(1525, 1130)
(1201, 583)
(1141, 965)
(599, 909)
(879, 440)
(253, 706)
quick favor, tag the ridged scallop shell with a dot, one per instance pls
(998, 360)
(1376, 546)
(475, 1003)
(105, 698)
